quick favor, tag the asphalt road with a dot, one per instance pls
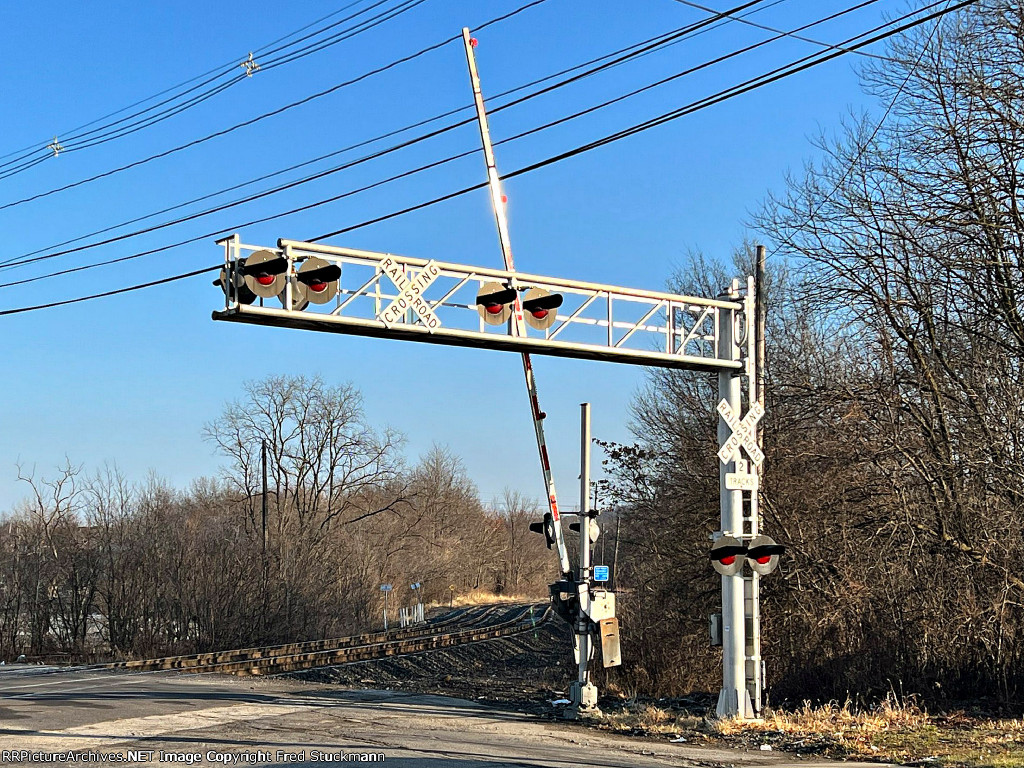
(169, 717)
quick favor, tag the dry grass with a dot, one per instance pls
(832, 718)
(893, 731)
(651, 719)
(480, 597)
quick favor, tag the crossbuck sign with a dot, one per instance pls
(744, 433)
(410, 294)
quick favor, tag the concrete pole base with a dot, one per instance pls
(583, 698)
(728, 705)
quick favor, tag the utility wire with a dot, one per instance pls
(691, 107)
(35, 149)
(704, 8)
(18, 260)
(780, 72)
(407, 5)
(226, 131)
(77, 141)
(121, 130)
(263, 116)
(777, 74)
(638, 51)
(68, 145)
(264, 53)
(230, 64)
(114, 292)
(371, 23)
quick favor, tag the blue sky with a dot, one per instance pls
(132, 379)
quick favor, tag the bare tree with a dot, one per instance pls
(895, 388)
(64, 584)
(326, 465)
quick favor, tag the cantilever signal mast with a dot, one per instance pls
(498, 201)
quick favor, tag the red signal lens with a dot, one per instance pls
(540, 314)
(318, 287)
(494, 309)
(265, 279)
(763, 560)
(728, 560)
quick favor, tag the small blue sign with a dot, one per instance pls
(600, 573)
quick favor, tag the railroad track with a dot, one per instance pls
(467, 627)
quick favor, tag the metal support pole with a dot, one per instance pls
(733, 700)
(759, 324)
(584, 492)
(615, 551)
(266, 579)
(583, 693)
(755, 661)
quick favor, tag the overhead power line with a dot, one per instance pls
(806, 62)
(151, 120)
(691, 107)
(230, 65)
(849, 45)
(742, 20)
(641, 48)
(638, 50)
(122, 127)
(264, 116)
(611, 60)
(115, 292)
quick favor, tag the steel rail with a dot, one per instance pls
(187, 661)
(317, 653)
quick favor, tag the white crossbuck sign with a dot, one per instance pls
(410, 294)
(744, 433)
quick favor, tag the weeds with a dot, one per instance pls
(896, 730)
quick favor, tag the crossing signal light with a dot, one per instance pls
(594, 530)
(547, 527)
(264, 273)
(494, 303)
(233, 284)
(727, 555)
(317, 280)
(539, 307)
(763, 554)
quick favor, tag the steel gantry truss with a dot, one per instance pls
(402, 297)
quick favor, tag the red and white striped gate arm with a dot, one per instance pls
(498, 202)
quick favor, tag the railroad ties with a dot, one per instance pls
(470, 626)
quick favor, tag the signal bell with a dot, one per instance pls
(539, 306)
(494, 303)
(264, 273)
(317, 280)
(727, 555)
